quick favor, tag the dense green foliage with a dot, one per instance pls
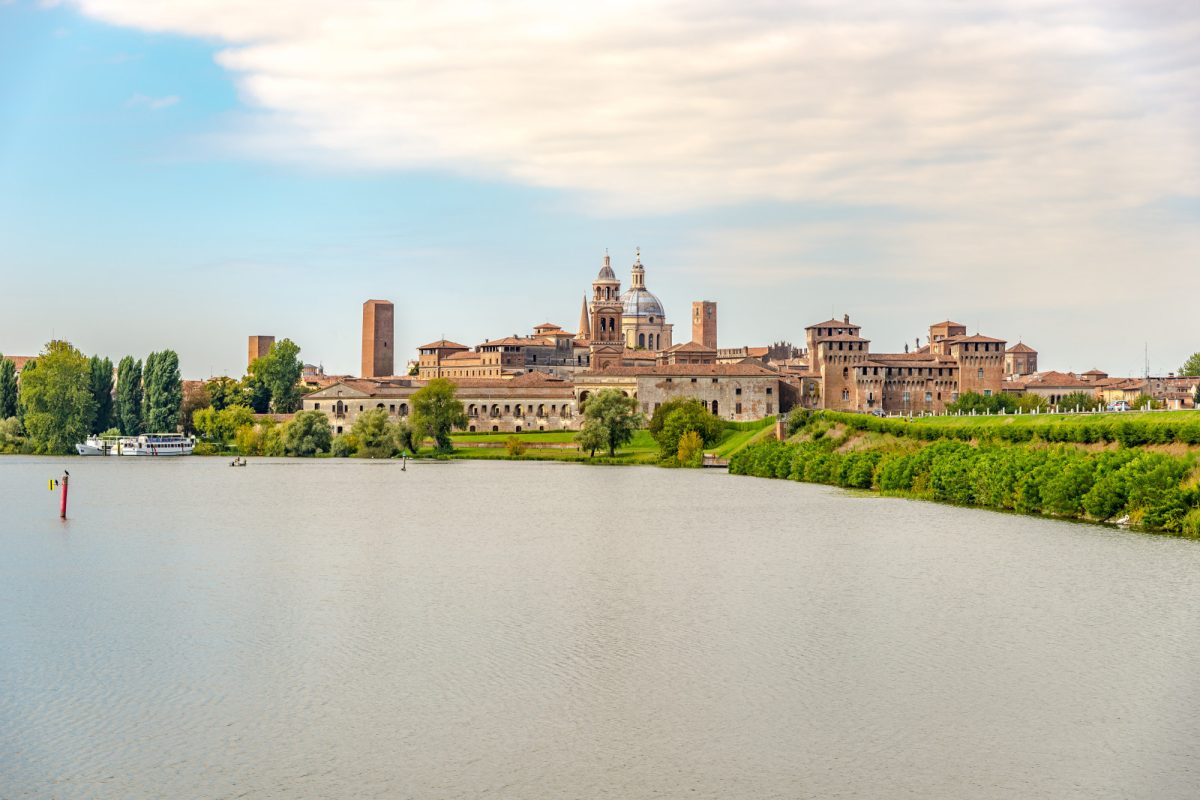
(307, 434)
(224, 392)
(8, 388)
(11, 440)
(220, 427)
(56, 399)
(436, 410)
(376, 434)
(690, 452)
(1155, 490)
(610, 420)
(1191, 366)
(690, 416)
(162, 389)
(277, 377)
(1080, 401)
(128, 407)
(101, 386)
(1129, 430)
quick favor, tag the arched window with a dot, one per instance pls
(845, 372)
(541, 412)
(404, 409)
(641, 340)
(714, 408)
(980, 373)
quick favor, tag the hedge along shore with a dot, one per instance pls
(1111, 468)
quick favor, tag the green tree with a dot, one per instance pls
(659, 417)
(691, 450)
(224, 392)
(684, 418)
(616, 415)
(1191, 366)
(8, 388)
(591, 437)
(307, 434)
(436, 410)
(195, 397)
(376, 434)
(279, 372)
(220, 427)
(56, 399)
(256, 394)
(101, 376)
(1080, 400)
(163, 388)
(128, 409)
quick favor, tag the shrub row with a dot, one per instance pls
(1127, 432)
(1062, 481)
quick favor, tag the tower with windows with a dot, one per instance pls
(605, 307)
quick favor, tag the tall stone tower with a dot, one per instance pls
(379, 318)
(258, 347)
(704, 323)
(606, 305)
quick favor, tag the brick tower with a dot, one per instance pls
(704, 323)
(378, 326)
(258, 347)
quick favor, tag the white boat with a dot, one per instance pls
(97, 446)
(148, 444)
(156, 444)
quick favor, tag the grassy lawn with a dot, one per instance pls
(735, 440)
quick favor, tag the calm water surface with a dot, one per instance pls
(307, 629)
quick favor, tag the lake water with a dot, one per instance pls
(305, 629)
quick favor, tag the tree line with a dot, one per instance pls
(63, 397)
(1152, 489)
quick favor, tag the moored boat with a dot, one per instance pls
(148, 444)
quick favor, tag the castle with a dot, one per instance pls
(624, 341)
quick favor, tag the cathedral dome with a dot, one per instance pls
(640, 302)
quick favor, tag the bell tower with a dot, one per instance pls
(606, 305)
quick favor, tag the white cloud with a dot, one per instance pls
(658, 106)
(152, 103)
(1024, 139)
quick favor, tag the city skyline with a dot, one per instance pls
(1035, 175)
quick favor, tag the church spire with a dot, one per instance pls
(638, 273)
(585, 323)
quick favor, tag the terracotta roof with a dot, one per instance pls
(547, 326)
(833, 323)
(507, 340)
(948, 323)
(686, 370)
(1054, 378)
(1020, 347)
(19, 361)
(1096, 372)
(443, 344)
(690, 347)
(975, 338)
(463, 355)
(757, 352)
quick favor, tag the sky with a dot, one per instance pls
(185, 173)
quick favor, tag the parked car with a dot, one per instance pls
(1118, 405)
(877, 412)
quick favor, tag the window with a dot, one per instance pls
(316, 406)
(714, 380)
(845, 394)
(929, 397)
(906, 397)
(845, 372)
(737, 408)
(738, 391)
(693, 380)
(980, 373)
(987, 392)
(769, 390)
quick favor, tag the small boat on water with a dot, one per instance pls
(148, 444)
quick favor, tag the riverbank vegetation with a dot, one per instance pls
(1144, 472)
